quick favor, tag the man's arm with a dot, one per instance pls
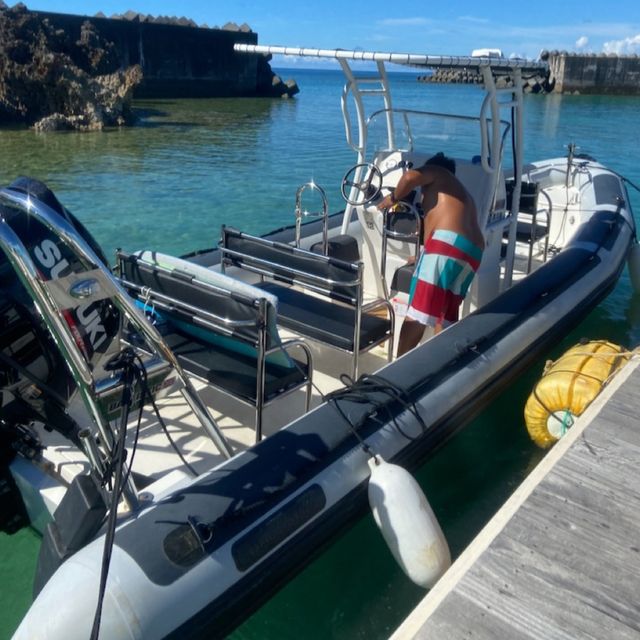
(409, 181)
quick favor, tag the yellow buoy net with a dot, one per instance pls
(568, 386)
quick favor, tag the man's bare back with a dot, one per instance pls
(445, 201)
(448, 205)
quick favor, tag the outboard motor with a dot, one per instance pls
(65, 325)
(68, 361)
(36, 382)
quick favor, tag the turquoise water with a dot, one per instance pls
(194, 164)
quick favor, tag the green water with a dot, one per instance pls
(192, 165)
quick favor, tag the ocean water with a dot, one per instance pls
(193, 164)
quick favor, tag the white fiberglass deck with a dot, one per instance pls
(154, 456)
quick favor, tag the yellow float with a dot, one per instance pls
(568, 386)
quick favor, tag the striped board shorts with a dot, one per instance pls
(442, 277)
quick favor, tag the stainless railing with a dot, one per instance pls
(301, 213)
(49, 301)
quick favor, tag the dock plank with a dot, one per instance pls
(566, 563)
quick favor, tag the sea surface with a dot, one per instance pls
(192, 165)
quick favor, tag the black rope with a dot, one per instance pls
(193, 472)
(125, 362)
(133, 373)
(141, 378)
(359, 392)
(625, 179)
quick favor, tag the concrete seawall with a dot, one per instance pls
(595, 74)
(177, 60)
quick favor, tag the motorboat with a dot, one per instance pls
(190, 431)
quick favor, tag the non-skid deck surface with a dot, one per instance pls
(567, 564)
(154, 455)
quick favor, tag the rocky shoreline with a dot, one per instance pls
(62, 72)
(49, 82)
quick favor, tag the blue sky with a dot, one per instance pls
(455, 28)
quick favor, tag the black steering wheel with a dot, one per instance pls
(367, 189)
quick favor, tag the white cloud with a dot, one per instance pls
(626, 45)
(582, 42)
(404, 22)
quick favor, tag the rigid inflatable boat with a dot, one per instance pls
(162, 514)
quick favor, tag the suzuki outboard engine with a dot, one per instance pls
(35, 379)
(76, 355)
(65, 325)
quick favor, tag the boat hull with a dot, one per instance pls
(224, 543)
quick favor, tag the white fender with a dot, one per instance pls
(407, 523)
(633, 262)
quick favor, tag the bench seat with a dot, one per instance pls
(319, 297)
(234, 373)
(325, 321)
(220, 330)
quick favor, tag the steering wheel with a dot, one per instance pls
(368, 188)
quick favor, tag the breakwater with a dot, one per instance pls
(538, 84)
(573, 73)
(595, 74)
(179, 58)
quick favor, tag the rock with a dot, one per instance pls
(132, 16)
(270, 85)
(185, 22)
(292, 88)
(59, 122)
(58, 84)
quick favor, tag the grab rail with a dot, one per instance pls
(299, 213)
(81, 371)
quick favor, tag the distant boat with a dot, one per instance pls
(187, 537)
(487, 53)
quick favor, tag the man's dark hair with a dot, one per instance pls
(440, 160)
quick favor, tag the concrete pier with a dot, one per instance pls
(561, 559)
(595, 74)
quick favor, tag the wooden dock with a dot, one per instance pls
(561, 559)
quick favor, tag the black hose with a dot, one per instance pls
(125, 360)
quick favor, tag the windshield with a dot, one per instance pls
(427, 132)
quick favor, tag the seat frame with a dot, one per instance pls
(334, 280)
(257, 336)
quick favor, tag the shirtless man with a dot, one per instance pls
(451, 252)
